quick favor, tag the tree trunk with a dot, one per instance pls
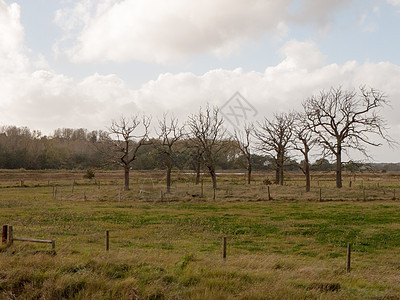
(307, 173)
(249, 173)
(277, 173)
(126, 169)
(213, 177)
(169, 169)
(281, 158)
(339, 166)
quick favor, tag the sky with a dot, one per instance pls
(84, 63)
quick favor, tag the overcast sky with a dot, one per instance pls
(82, 63)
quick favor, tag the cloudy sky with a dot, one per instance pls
(82, 63)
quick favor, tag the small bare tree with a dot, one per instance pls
(124, 141)
(207, 133)
(242, 139)
(169, 133)
(304, 140)
(274, 137)
(346, 120)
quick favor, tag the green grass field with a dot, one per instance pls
(290, 247)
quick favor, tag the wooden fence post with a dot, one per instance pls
(10, 236)
(364, 196)
(394, 194)
(53, 244)
(348, 257)
(162, 196)
(107, 240)
(224, 248)
(4, 234)
(269, 193)
(202, 188)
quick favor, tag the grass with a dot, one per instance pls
(292, 247)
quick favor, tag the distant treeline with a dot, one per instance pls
(69, 148)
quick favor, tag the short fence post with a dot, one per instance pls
(162, 196)
(348, 257)
(202, 188)
(269, 193)
(394, 194)
(4, 234)
(84, 196)
(53, 244)
(60, 194)
(107, 240)
(224, 248)
(364, 196)
(10, 236)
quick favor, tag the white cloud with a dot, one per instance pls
(162, 31)
(45, 100)
(393, 2)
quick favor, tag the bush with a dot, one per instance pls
(89, 174)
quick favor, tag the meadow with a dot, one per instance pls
(290, 245)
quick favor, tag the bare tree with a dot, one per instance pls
(346, 120)
(274, 137)
(304, 140)
(208, 133)
(170, 133)
(242, 139)
(125, 140)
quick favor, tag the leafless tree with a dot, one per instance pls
(169, 133)
(346, 120)
(242, 139)
(125, 140)
(274, 137)
(207, 133)
(303, 141)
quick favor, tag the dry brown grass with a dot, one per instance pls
(291, 247)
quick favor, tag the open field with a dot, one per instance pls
(292, 246)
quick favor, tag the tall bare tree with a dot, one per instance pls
(169, 133)
(207, 132)
(304, 140)
(242, 139)
(125, 139)
(274, 137)
(347, 120)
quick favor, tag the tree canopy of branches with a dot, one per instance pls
(274, 137)
(346, 120)
(169, 134)
(304, 140)
(207, 132)
(125, 141)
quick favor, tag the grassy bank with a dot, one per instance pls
(291, 247)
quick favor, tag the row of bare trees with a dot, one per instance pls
(331, 123)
